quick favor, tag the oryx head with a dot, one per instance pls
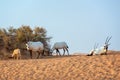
(28, 45)
(107, 42)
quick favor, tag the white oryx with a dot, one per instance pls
(105, 47)
(103, 50)
(60, 45)
(94, 51)
(35, 46)
(16, 54)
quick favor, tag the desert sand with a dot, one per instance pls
(74, 67)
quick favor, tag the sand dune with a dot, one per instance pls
(78, 67)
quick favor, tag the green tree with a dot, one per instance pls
(40, 34)
(16, 38)
(24, 33)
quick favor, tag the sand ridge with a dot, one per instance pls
(79, 67)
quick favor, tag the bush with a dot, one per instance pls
(16, 38)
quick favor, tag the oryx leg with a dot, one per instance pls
(17, 57)
(64, 51)
(38, 54)
(67, 50)
(43, 53)
(57, 51)
(30, 53)
(14, 56)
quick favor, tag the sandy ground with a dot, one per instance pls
(78, 67)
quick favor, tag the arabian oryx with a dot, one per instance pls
(35, 46)
(93, 51)
(60, 45)
(103, 50)
(105, 47)
(16, 54)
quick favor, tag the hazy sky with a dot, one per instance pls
(81, 23)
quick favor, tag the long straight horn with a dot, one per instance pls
(96, 45)
(109, 39)
(106, 40)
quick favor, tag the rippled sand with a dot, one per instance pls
(78, 67)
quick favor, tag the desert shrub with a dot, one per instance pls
(16, 38)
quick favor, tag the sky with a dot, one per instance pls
(80, 23)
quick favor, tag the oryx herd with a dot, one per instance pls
(40, 49)
(102, 50)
